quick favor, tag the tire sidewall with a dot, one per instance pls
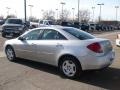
(78, 67)
(14, 56)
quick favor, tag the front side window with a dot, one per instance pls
(52, 35)
(33, 35)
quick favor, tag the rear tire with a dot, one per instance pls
(10, 53)
(70, 67)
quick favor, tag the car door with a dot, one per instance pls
(27, 48)
(49, 46)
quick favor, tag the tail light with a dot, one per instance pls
(95, 47)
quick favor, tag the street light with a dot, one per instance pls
(62, 3)
(56, 14)
(73, 13)
(78, 10)
(25, 9)
(100, 11)
(116, 7)
(93, 8)
(31, 6)
(8, 10)
(42, 11)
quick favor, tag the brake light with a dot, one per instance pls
(95, 47)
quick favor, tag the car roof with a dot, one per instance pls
(55, 27)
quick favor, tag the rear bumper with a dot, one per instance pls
(92, 63)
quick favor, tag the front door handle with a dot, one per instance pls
(59, 45)
(33, 44)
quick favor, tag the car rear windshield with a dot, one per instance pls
(79, 34)
(14, 21)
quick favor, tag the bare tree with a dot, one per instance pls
(84, 16)
(49, 14)
(33, 19)
(65, 15)
(11, 16)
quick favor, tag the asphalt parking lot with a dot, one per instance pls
(28, 75)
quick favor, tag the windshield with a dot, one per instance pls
(79, 34)
(14, 21)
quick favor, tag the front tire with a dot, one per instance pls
(70, 67)
(10, 53)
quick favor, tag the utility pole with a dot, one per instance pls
(25, 10)
(56, 14)
(100, 4)
(93, 8)
(62, 3)
(73, 13)
(116, 7)
(78, 10)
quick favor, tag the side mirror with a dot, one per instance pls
(21, 38)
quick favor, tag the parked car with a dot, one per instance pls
(104, 27)
(92, 26)
(84, 27)
(34, 25)
(13, 27)
(44, 23)
(2, 22)
(98, 27)
(69, 24)
(76, 25)
(70, 49)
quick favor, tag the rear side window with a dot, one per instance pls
(52, 35)
(78, 33)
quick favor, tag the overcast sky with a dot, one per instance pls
(17, 7)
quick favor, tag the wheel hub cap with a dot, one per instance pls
(69, 68)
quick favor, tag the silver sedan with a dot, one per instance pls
(70, 49)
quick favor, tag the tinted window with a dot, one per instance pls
(14, 21)
(78, 33)
(52, 35)
(33, 35)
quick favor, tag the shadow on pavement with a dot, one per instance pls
(108, 79)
